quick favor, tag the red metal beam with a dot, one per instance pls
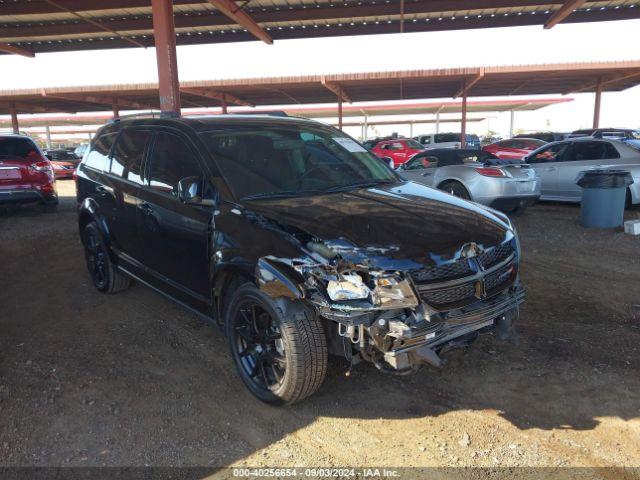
(463, 133)
(14, 119)
(563, 12)
(596, 108)
(339, 112)
(242, 18)
(470, 83)
(7, 48)
(337, 89)
(165, 41)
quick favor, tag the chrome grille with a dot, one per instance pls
(498, 278)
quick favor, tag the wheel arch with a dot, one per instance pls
(88, 212)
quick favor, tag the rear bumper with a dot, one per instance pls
(26, 196)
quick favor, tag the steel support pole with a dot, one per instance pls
(598, 100)
(463, 133)
(411, 129)
(366, 128)
(116, 109)
(47, 131)
(438, 122)
(15, 126)
(512, 123)
(339, 112)
(224, 106)
(165, 41)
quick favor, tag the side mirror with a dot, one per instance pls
(190, 190)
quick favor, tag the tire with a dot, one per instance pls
(456, 189)
(103, 272)
(281, 356)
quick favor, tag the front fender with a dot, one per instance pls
(277, 279)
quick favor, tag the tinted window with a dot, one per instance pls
(128, 154)
(413, 144)
(15, 147)
(171, 161)
(292, 160)
(581, 151)
(98, 157)
(447, 137)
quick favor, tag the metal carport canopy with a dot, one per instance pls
(355, 87)
(33, 26)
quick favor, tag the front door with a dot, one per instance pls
(420, 169)
(175, 234)
(545, 163)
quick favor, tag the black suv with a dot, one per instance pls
(296, 242)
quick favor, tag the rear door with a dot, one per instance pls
(175, 234)
(125, 179)
(582, 156)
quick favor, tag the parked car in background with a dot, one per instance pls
(558, 165)
(297, 243)
(447, 140)
(26, 175)
(63, 169)
(544, 136)
(513, 148)
(398, 150)
(489, 140)
(610, 133)
(62, 155)
(81, 149)
(475, 175)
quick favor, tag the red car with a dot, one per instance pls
(25, 173)
(397, 150)
(63, 169)
(514, 148)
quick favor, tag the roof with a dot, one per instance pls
(542, 79)
(45, 26)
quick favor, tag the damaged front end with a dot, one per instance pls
(399, 316)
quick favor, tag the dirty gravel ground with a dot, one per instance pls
(132, 379)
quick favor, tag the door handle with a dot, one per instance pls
(103, 191)
(146, 208)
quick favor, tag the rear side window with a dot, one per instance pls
(171, 161)
(447, 137)
(18, 148)
(98, 157)
(128, 154)
(581, 151)
(612, 152)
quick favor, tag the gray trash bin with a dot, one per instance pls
(603, 197)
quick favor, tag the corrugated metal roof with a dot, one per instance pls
(356, 87)
(41, 26)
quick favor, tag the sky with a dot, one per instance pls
(586, 42)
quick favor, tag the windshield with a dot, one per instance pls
(293, 160)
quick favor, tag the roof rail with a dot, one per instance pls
(268, 113)
(151, 114)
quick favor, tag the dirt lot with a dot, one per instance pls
(131, 379)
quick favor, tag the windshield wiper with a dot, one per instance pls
(353, 186)
(281, 194)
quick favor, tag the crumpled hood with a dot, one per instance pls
(401, 226)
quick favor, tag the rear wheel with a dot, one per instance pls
(281, 358)
(103, 272)
(455, 188)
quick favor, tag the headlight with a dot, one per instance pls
(391, 292)
(349, 287)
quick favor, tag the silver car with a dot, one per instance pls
(558, 165)
(475, 175)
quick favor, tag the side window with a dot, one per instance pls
(582, 151)
(128, 154)
(98, 157)
(425, 140)
(396, 146)
(612, 152)
(554, 153)
(171, 160)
